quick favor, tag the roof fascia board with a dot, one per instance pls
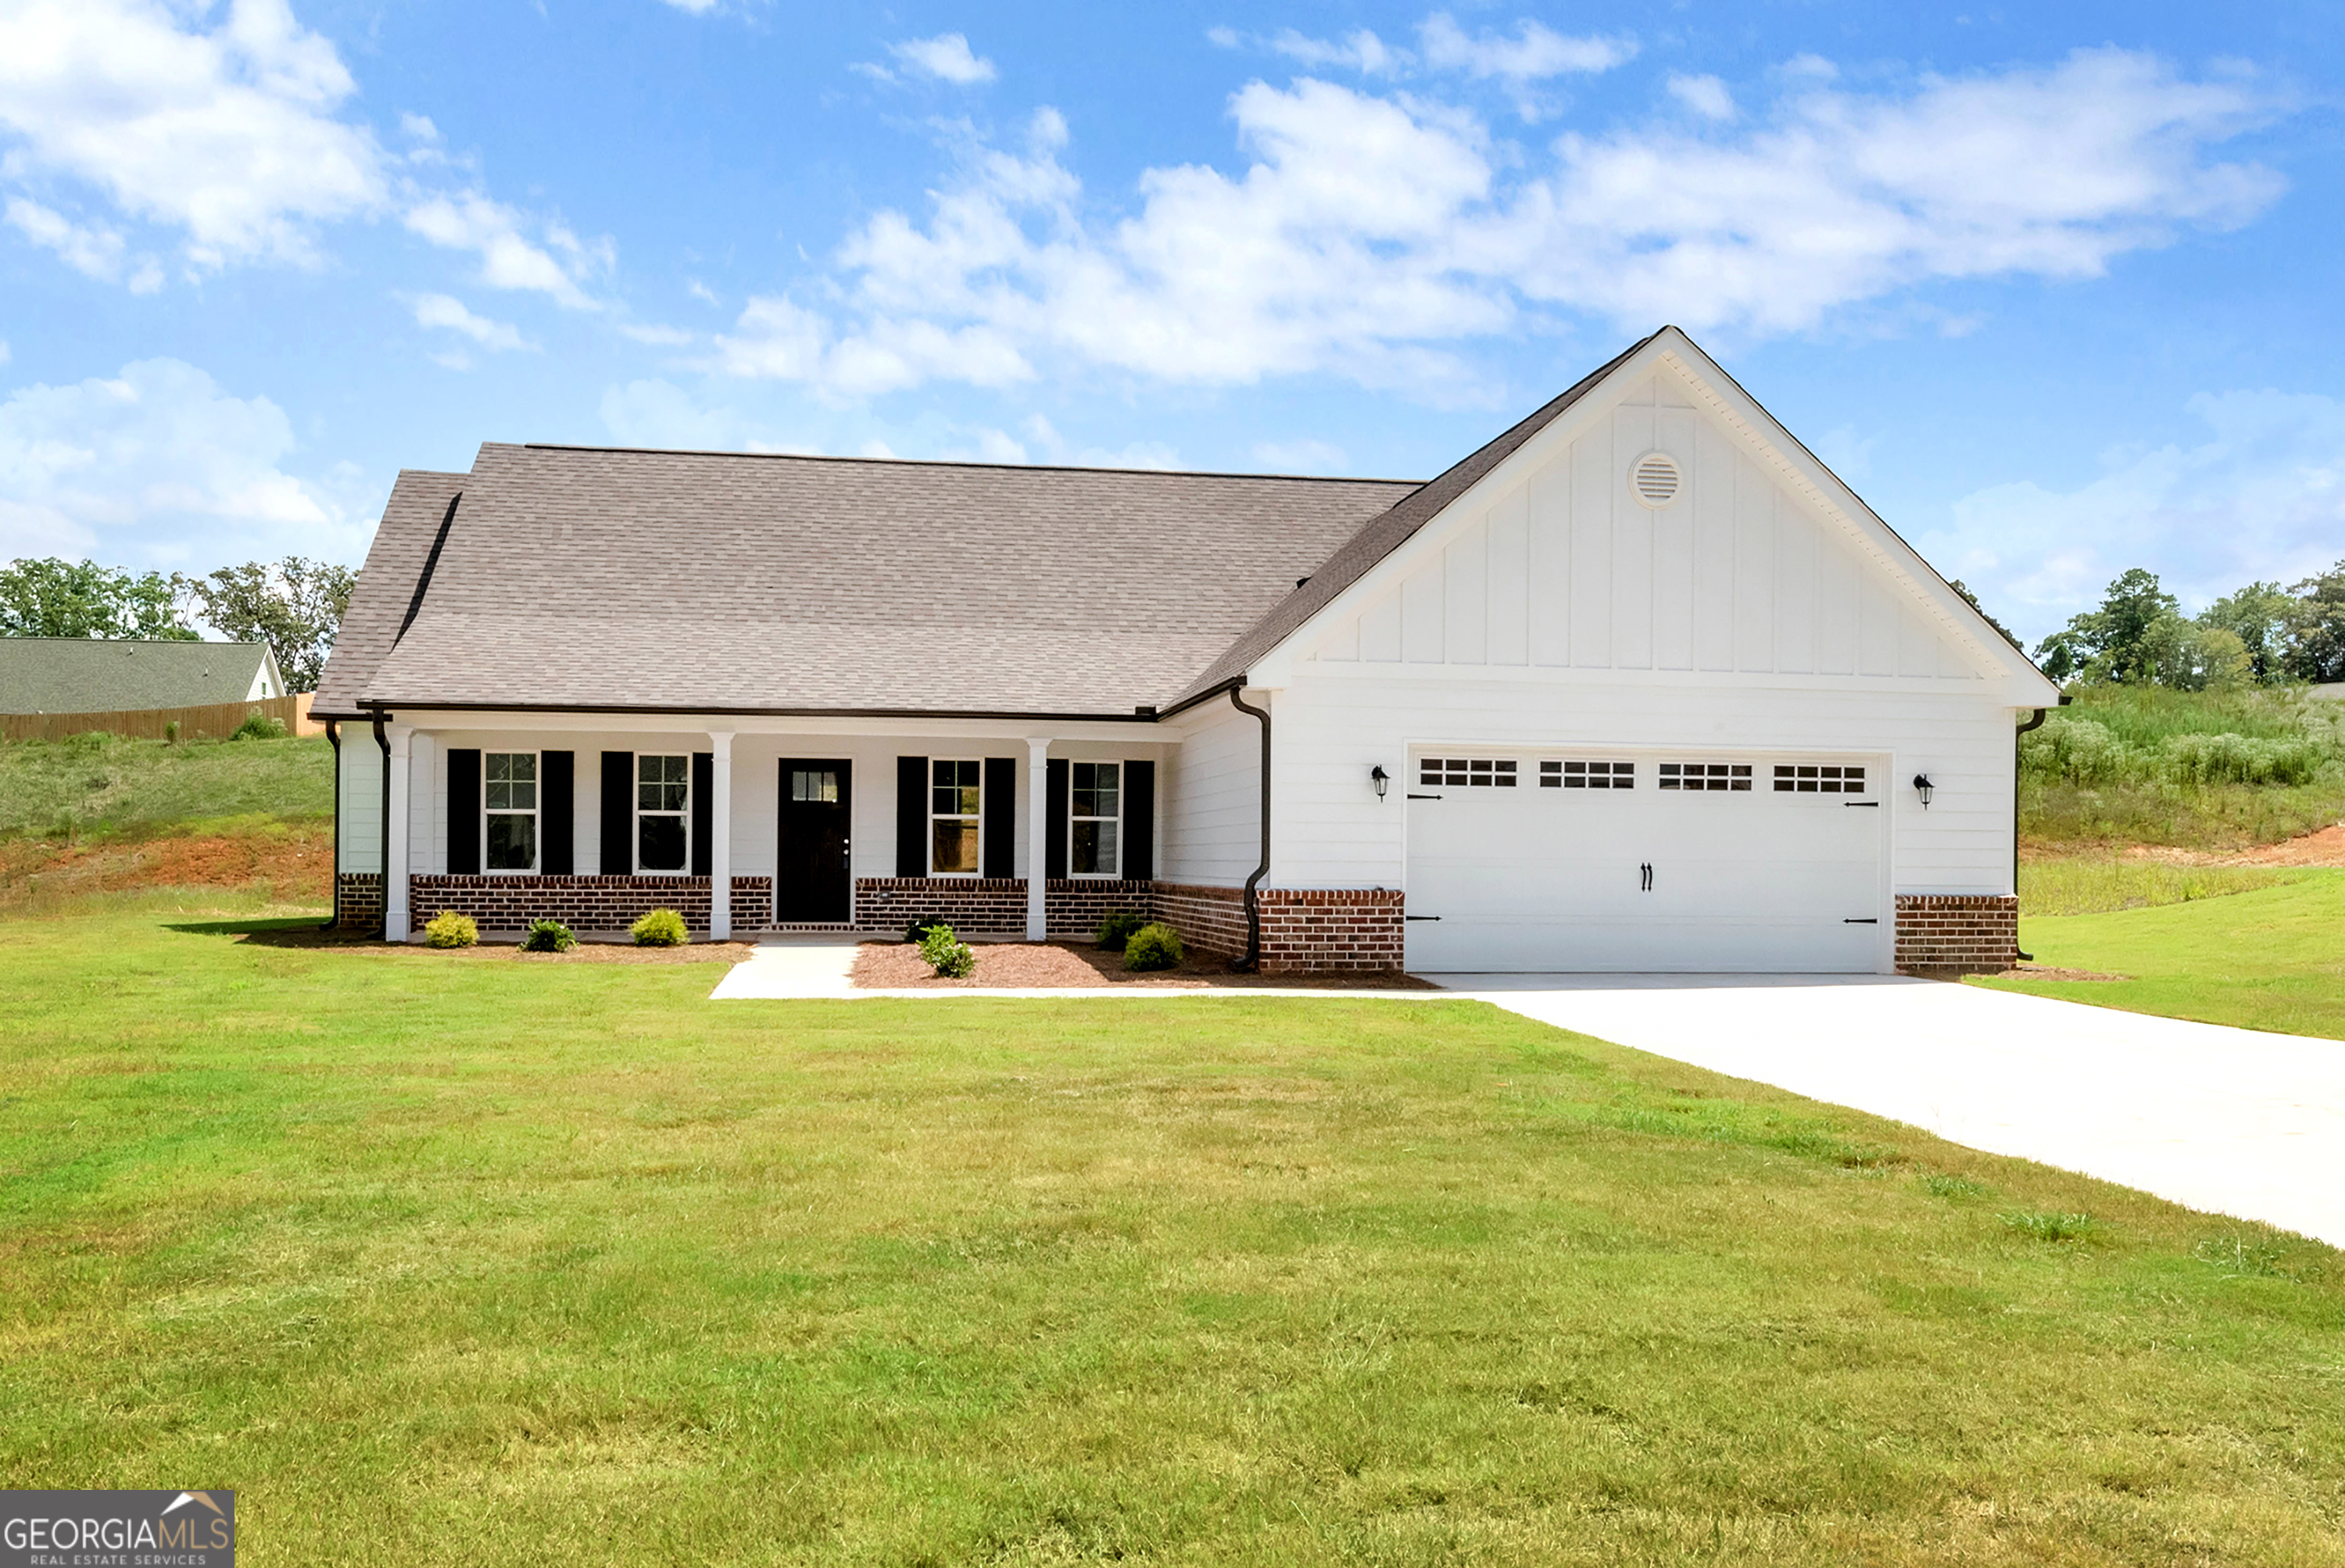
(1808, 477)
(809, 721)
(1276, 668)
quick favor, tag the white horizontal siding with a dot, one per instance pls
(1330, 829)
(1213, 802)
(358, 838)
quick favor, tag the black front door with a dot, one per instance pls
(810, 872)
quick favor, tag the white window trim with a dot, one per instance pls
(1117, 874)
(637, 814)
(935, 815)
(537, 838)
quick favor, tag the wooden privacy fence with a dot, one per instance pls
(208, 721)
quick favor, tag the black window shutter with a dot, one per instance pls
(463, 810)
(1140, 820)
(618, 813)
(1054, 819)
(703, 813)
(911, 816)
(1000, 816)
(557, 812)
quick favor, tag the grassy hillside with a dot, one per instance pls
(104, 787)
(2211, 770)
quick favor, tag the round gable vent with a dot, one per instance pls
(1655, 479)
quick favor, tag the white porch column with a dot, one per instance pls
(1038, 836)
(720, 837)
(394, 854)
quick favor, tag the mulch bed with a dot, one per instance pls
(491, 951)
(898, 966)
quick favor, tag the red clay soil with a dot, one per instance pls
(296, 863)
(896, 966)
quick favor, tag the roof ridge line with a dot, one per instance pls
(957, 462)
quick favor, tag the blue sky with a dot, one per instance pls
(2055, 288)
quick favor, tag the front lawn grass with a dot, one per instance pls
(2273, 958)
(439, 1261)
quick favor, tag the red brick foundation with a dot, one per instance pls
(582, 903)
(360, 900)
(1956, 933)
(1305, 930)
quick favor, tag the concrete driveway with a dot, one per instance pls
(2230, 1120)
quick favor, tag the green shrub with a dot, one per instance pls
(1153, 946)
(548, 936)
(449, 929)
(946, 953)
(1117, 929)
(660, 928)
(2241, 760)
(259, 726)
(171, 733)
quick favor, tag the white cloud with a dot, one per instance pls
(1373, 236)
(1360, 51)
(159, 466)
(447, 311)
(2262, 497)
(493, 231)
(696, 7)
(228, 135)
(1534, 54)
(95, 251)
(947, 57)
(418, 128)
(1705, 95)
(1303, 455)
(658, 337)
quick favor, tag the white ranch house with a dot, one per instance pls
(1638, 686)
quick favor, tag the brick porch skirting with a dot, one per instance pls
(1956, 933)
(1305, 930)
(584, 903)
(361, 899)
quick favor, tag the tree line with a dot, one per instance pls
(2262, 634)
(295, 606)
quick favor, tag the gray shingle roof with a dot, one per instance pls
(586, 577)
(419, 503)
(89, 675)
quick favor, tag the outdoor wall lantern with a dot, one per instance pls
(1380, 779)
(1923, 784)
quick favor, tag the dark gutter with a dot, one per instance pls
(1251, 961)
(2031, 724)
(1233, 683)
(334, 738)
(383, 741)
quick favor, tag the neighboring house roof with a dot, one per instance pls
(701, 582)
(93, 674)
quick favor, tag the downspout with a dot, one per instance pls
(383, 741)
(1252, 959)
(334, 868)
(2015, 734)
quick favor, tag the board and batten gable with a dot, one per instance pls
(1548, 609)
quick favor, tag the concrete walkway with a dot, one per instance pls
(2231, 1120)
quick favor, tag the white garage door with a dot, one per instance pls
(1629, 861)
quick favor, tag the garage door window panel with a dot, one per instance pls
(1468, 773)
(1575, 774)
(1818, 779)
(1692, 777)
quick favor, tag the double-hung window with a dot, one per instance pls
(955, 794)
(1095, 812)
(509, 804)
(662, 805)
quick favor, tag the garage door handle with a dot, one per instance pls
(1422, 917)
(1424, 796)
(1868, 921)
(1861, 803)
